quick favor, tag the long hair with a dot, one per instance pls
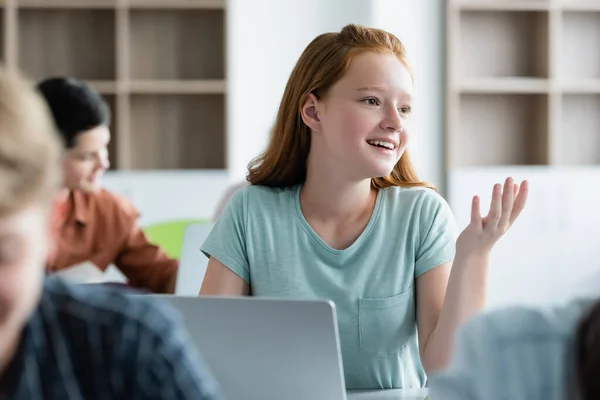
(321, 65)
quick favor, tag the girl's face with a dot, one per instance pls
(86, 162)
(359, 128)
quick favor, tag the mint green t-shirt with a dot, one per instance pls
(263, 237)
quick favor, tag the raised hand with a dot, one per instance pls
(482, 233)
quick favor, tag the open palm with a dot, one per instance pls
(482, 233)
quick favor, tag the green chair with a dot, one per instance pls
(169, 235)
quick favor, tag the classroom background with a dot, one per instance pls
(502, 88)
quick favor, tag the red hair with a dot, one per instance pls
(321, 65)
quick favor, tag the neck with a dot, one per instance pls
(327, 197)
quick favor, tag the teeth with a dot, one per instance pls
(387, 145)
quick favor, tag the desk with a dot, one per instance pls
(393, 394)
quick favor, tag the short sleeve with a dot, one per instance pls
(437, 234)
(227, 240)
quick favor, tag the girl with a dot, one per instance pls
(335, 210)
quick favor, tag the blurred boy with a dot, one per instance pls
(70, 342)
(97, 226)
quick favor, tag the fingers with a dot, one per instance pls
(475, 211)
(520, 201)
(508, 198)
(496, 205)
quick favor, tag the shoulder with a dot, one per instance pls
(520, 335)
(523, 324)
(421, 196)
(256, 197)
(109, 202)
(416, 204)
(105, 308)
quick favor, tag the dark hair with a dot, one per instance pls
(75, 107)
(587, 354)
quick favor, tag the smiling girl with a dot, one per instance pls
(335, 210)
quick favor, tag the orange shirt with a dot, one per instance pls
(101, 227)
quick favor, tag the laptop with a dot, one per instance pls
(264, 348)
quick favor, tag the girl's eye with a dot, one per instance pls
(405, 110)
(372, 101)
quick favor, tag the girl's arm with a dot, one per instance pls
(446, 299)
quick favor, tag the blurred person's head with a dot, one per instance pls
(82, 118)
(345, 109)
(30, 175)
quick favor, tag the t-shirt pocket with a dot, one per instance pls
(386, 325)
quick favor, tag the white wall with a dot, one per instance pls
(163, 196)
(266, 38)
(549, 255)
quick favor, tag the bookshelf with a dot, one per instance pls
(523, 83)
(160, 65)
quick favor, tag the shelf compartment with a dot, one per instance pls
(57, 42)
(502, 129)
(177, 131)
(579, 136)
(503, 44)
(177, 44)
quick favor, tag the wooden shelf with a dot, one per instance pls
(2, 35)
(50, 4)
(195, 131)
(58, 42)
(214, 86)
(137, 4)
(177, 45)
(523, 83)
(104, 87)
(504, 85)
(506, 5)
(160, 65)
(579, 136)
(503, 44)
(177, 4)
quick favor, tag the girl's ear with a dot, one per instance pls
(310, 113)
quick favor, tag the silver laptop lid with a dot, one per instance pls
(263, 349)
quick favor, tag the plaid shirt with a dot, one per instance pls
(86, 342)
